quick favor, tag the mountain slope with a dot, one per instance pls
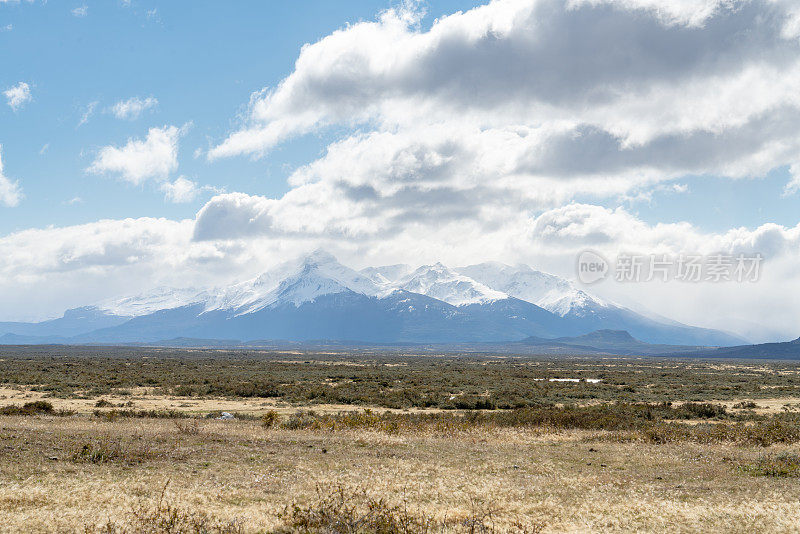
(439, 282)
(588, 313)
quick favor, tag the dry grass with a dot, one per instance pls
(240, 475)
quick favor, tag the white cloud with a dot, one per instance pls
(80, 11)
(183, 190)
(18, 95)
(132, 108)
(10, 192)
(634, 88)
(155, 157)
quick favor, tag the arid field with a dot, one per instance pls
(132, 457)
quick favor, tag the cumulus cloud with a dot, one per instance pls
(132, 108)
(155, 157)
(647, 89)
(18, 95)
(10, 191)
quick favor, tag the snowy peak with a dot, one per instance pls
(553, 293)
(294, 282)
(442, 283)
(322, 276)
(320, 273)
(387, 274)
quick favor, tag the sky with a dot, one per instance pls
(193, 143)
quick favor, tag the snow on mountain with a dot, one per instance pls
(548, 291)
(294, 282)
(160, 298)
(387, 274)
(444, 284)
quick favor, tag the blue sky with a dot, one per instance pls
(200, 66)
(192, 143)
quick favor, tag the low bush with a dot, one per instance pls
(32, 408)
(340, 510)
(165, 518)
(106, 450)
(612, 417)
(191, 428)
(270, 419)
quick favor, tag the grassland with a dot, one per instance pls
(129, 441)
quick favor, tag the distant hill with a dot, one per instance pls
(789, 350)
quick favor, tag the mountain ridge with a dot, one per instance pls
(316, 297)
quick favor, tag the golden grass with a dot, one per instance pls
(238, 472)
(147, 400)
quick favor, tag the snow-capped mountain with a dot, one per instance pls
(316, 297)
(586, 312)
(444, 284)
(293, 282)
(387, 274)
(548, 291)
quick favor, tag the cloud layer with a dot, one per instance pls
(637, 90)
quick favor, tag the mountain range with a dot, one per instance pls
(317, 298)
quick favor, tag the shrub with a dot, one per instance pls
(703, 410)
(784, 464)
(191, 428)
(351, 511)
(105, 450)
(270, 419)
(343, 511)
(29, 408)
(165, 518)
